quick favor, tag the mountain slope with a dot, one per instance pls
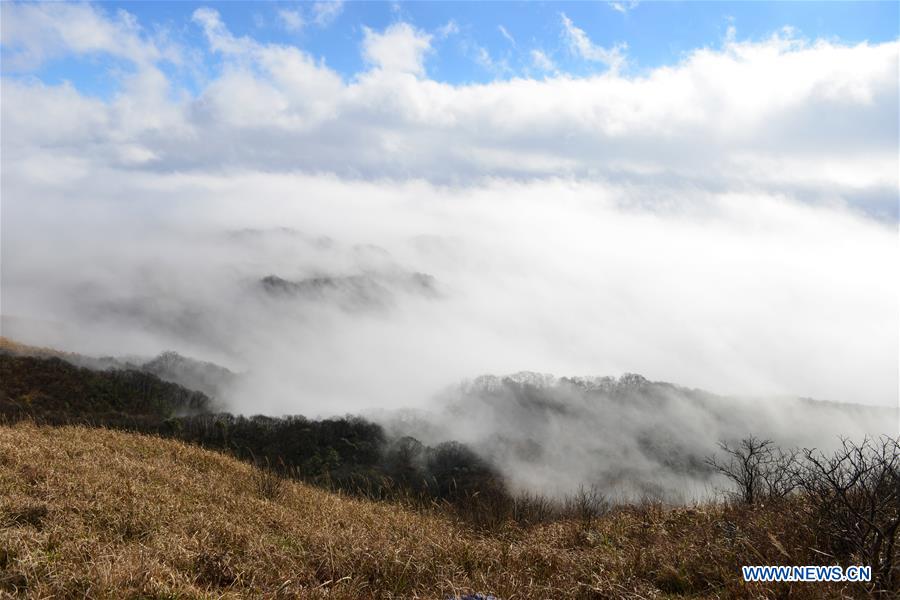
(106, 514)
(55, 390)
(631, 436)
(202, 376)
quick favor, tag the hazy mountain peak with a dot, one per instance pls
(494, 383)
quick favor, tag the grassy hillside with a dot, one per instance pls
(348, 453)
(105, 514)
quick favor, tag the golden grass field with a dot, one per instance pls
(95, 513)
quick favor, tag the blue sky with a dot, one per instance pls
(489, 41)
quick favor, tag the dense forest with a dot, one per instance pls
(348, 453)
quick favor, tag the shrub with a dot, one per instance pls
(854, 503)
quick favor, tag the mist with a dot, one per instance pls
(751, 295)
(628, 437)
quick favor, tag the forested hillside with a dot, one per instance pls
(348, 453)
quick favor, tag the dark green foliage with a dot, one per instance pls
(347, 453)
(404, 460)
(333, 451)
(454, 471)
(55, 391)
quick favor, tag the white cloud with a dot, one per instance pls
(291, 20)
(581, 45)
(624, 6)
(217, 34)
(483, 58)
(732, 117)
(400, 48)
(447, 29)
(506, 35)
(67, 117)
(541, 61)
(325, 13)
(32, 33)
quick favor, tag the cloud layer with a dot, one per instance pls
(749, 294)
(817, 119)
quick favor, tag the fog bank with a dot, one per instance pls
(392, 290)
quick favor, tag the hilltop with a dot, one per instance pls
(631, 436)
(202, 376)
(108, 514)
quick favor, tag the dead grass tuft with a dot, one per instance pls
(268, 483)
(27, 514)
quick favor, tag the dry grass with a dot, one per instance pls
(13, 347)
(103, 514)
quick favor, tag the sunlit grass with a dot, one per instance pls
(105, 514)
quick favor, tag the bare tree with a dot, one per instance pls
(758, 468)
(779, 473)
(854, 498)
(586, 504)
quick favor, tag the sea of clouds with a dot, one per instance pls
(728, 222)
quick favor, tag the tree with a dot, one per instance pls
(854, 503)
(758, 468)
